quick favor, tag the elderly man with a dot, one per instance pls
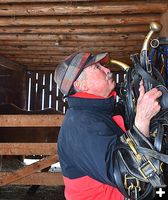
(90, 131)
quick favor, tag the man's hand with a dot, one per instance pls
(147, 107)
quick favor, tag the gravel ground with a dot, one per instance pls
(42, 193)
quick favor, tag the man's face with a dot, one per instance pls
(98, 81)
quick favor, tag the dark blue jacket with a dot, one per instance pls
(87, 139)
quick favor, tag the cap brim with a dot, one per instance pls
(97, 58)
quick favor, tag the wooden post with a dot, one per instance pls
(164, 20)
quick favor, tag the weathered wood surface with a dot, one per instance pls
(28, 149)
(37, 178)
(68, 22)
(31, 120)
(86, 8)
(79, 20)
(164, 21)
(28, 170)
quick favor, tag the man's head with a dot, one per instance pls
(84, 72)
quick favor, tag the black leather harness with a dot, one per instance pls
(139, 160)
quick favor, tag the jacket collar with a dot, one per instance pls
(85, 101)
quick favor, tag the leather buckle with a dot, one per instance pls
(131, 182)
(147, 168)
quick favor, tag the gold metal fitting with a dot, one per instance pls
(132, 146)
(124, 66)
(146, 165)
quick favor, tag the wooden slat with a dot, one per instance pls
(64, 1)
(38, 178)
(48, 43)
(79, 9)
(28, 148)
(69, 49)
(87, 37)
(58, 56)
(50, 120)
(79, 20)
(33, 94)
(47, 90)
(74, 29)
(34, 1)
(28, 170)
(38, 104)
(164, 22)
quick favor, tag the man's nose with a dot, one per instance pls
(106, 70)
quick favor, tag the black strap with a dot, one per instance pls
(147, 76)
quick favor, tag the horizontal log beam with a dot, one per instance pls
(80, 20)
(70, 43)
(53, 58)
(164, 19)
(34, 60)
(50, 53)
(86, 37)
(74, 29)
(34, 1)
(34, 120)
(9, 64)
(90, 8)
(58, 49)
(28, 170)
(28, 149)
(38, 178)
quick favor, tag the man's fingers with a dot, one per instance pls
(155, 93)
(141, 90)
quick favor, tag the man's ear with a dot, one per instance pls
(80, 85)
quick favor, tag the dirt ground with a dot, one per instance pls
(23, 193)
(12, 192)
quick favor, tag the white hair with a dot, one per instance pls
(81, 77)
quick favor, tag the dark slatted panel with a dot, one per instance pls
(47, 90)
(44, 92)
(39, 89)
(32, 82)
(53, 91)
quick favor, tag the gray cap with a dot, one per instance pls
(69, 70)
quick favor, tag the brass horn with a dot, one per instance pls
(124, 66)
(154, 27)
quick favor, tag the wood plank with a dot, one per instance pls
(28, 148)
(56, 54)
(9, 64)
(68, 50)
(32, 90)
(47, 9)
(80, 20)
(86, 37)
(34, 1)
(62, 1)
(50, 120)
(28, 170)
(74, 29)
(38, 178)
(48, 43)
(164, 22)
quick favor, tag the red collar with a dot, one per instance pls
(92, 96)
